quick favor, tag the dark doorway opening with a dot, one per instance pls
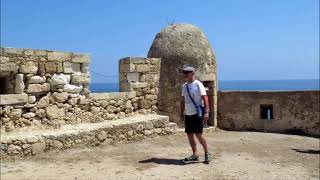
(3, 85)
(266, 111)
(209, 85)
(7, 84)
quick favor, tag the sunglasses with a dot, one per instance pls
(187, 72)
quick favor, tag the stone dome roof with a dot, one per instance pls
(185, 43)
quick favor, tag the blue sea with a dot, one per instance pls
(242, 85)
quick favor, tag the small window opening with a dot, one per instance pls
(266, 111)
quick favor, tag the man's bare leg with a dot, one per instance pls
(202, 141)
(192, 143)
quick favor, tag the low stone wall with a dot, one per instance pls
(133, 128)
(46, 89)
(293, 111)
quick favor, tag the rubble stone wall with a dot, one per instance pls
(293, 111)
(47, 89)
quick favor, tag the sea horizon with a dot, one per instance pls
(237, 85)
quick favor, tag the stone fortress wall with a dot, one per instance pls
(45, 102)
(40, 87)
(296, 112)
(50, 89)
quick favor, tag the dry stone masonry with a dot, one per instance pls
(179, 45)
(45, 102)
(40, 87)
(141, 75)
(45, 90)
(127, 129)
(296, 112)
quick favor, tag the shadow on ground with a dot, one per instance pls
(308, 151)
(166, 161)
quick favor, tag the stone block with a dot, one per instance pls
(73, 101)
(57, 144)
(53, 112)
(43, 102)
(131, 94)
(10, 99)
(36, 79)
(9, 67)
(69, 67)
(142, 68)
(139, 85)
(32, 99)
(59, 56)
(28, 115)
(84, 101)
(41, 68)
(15, 114)
(151, 97)
(28, 52)
(4, 59)
(72, 88)
(59, 67)
(38, 88)
(85, 68)
(144, 104)
(127, 67)
(125, 87)
(13, 51)
(133, 60)
(60, 79)
(29, 67)
(40, 52)
(50, 67)
(37, 148)
(60, 97)
(80, 78)
(80, 58)
(112, 95)
(133, 77)
(13, 149)
(19, 84)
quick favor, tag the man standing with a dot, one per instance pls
(195, 101)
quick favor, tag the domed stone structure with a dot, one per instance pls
(179, 45)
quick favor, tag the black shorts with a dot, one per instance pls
(193, 124)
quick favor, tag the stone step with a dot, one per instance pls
(19, 144)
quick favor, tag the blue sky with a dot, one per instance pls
(252, 39)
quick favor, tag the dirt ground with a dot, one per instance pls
(237, 155)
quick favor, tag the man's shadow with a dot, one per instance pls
(166, 161)
(307, 151)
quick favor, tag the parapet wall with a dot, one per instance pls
(141, 75)
(292, 111)
(46, 89)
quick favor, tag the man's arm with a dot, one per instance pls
(182, 108)
(206, 107)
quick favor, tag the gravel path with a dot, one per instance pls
(238, 155)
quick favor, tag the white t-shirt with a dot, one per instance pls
(196, 90)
